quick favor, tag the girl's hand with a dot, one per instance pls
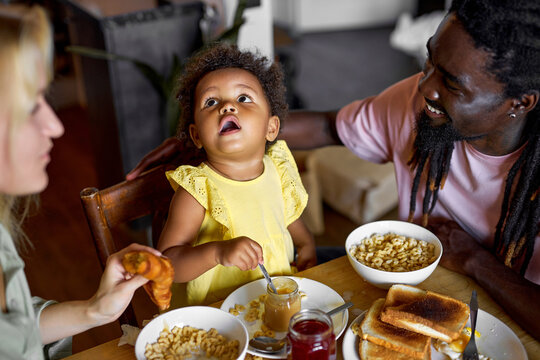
(305, 245)
(306, 256)
(116, 287)
(241, 252)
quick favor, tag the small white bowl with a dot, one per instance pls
(200, 317)
(385, 279)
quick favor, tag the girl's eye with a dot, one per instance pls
(210, 102)
(244, 99)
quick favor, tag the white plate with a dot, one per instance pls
(319, 296)
(200, 317)
(497, 340)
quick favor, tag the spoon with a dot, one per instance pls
(267, 277)
(269, 345)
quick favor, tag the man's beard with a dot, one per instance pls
(431, 138)
(432, 152)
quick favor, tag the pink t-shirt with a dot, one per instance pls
(379, 129)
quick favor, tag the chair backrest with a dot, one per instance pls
(148, 194)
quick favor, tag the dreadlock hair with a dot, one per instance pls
(509, 30)
(218, 56)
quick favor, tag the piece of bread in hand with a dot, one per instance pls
(158, 270)
(372, 351)
(425, 312)
(399, 340)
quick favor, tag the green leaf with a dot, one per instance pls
(231, 34)
(166, 85)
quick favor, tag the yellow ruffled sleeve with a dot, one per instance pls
(195, 181)
(294, 193)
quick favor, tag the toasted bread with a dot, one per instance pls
(372, 351)
(425, 312)
(391, 337)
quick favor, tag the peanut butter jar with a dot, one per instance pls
(281, 306)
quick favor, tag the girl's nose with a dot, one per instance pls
(227, 108)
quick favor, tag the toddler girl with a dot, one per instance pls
(242, 205)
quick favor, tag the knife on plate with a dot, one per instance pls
(471, 352)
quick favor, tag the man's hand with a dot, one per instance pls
(458, 245)
(166, 152)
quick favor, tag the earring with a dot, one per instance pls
(512, 115)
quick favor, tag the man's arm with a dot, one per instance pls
(518, 296)
(310, 129)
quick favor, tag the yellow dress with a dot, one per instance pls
(260, 209)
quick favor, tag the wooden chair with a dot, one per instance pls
(149, 194)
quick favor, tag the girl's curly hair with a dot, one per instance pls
(221, 56)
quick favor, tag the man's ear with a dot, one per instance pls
(527, 102)
(194, 135)
(273, 128)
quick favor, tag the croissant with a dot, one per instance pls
(158, 270)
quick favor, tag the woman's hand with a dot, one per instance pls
(241, 252)
(458, 245)
(116, 287)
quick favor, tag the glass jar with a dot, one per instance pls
(281, 306)
(311, 335)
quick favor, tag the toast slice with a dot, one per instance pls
(412, 344)
(372, 351)
(425, 312)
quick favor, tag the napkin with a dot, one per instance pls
(129, 335)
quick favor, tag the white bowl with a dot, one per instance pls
(385, 279)
(200, 317)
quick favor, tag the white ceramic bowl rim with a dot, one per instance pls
(437, 242)
(210, 317)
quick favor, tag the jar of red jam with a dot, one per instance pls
(281, 306)
(311, 335)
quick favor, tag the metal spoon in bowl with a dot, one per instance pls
(269, 345)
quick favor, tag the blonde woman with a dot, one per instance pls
(27, 127)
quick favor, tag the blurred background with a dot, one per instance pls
(332, 52)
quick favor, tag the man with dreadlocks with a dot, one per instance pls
(464, 137)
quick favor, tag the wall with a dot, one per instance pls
(301, 16)
(257, 31)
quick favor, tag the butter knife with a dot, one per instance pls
(471, 352)
(267, 277)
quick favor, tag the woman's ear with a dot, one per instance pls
(273, 128)
(194, 135)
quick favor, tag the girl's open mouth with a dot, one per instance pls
(229, 124)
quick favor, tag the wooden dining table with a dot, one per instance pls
(340, 276)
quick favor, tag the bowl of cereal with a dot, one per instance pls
(198, 332)
(393, 252)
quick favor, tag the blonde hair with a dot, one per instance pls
(26, 52)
